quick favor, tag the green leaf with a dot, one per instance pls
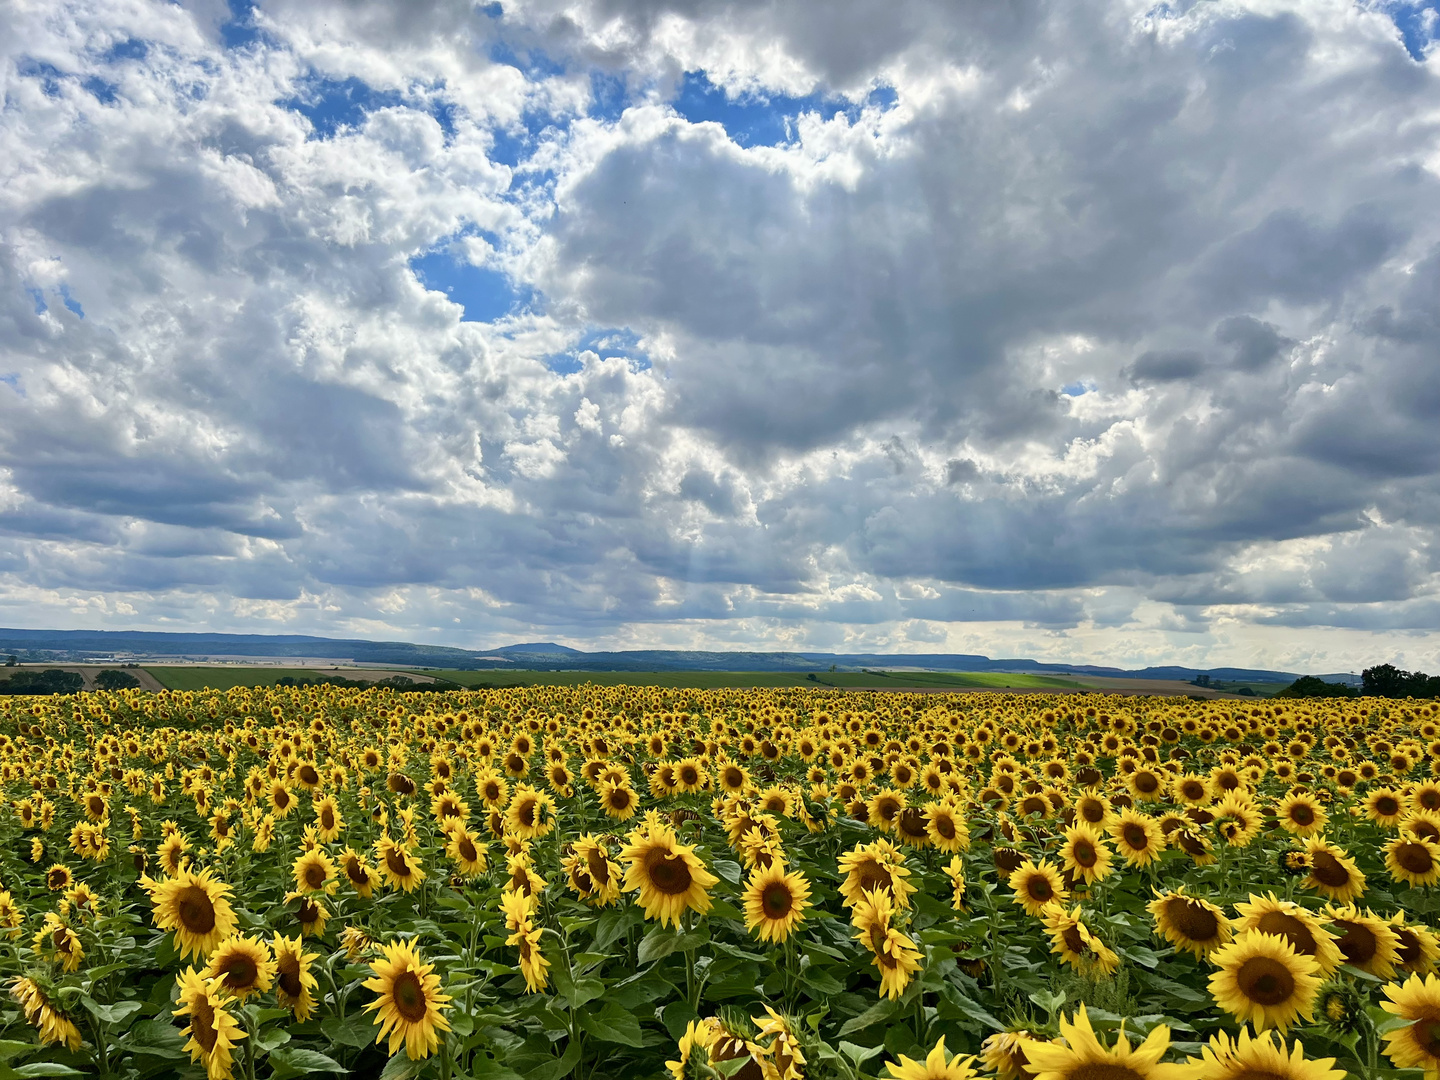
(876, 1014)
(556, 1068)
(46, 1068)
(270, 1040)
(1050, 1002)
(727, 869)
(661, 942)
(117, 1013)
(294, 1062)
(400, 1067)
(10, 1047)
(613, 1024)
(357, 1030)
(485, 1068)
(859, 1054)
(613, 924)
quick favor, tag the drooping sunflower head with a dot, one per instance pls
(1004, 1054)
(294, 981)
(1365, 940)
(1189, 923)
(213, 1031)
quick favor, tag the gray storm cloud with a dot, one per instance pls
(1038, 323)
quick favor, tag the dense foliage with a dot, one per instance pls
(593, 882)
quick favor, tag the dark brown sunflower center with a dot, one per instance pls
(777, 900)
(1147, 783)
(308, 913)
(668, 873)
(1084, 854)
(1358, 943)
(1193, 790)
(239, 971)
(1100, 1071)
(196, 912)
(1290, 928)
(1092, 810)
(1265, 981)
(1328, 870)
(202, 1025)
(912, 822)
(944, 825)
(1426, 1033)
(398, 864)
(1037, 887)
(1195, 921)
(308, 775)
(1136, 838)
(356, 872)
(689, 776)
(327, 819)
(598, 867)
(1408, 952)
(872, 876)
(1302, 814)
(1387, 806)
(315, 875)
(409, 997)
(1073, 939)
(1415, 858)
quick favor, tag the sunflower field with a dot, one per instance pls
(598, 882)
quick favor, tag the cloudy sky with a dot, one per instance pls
(1103, 331)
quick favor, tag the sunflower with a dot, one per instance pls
(775, 902)
(398, 868)
(409, 1008)
(618, 800)
(11, 917)
(895, 955)
(1094, 810)
(533, 966)
(282, 799)
(47, 1017)
(1138, 837)
(1237, 819)
(1079, 1055)
(1332, 872)
(883, 808)
(243, 965)
(1037, 884)
(1384, 807)
(358, 872)
(696, 1040)
(946, 827)
(315, 873)
(170, 853)
(531, 813)
(466, 851)
(1076, 945)
(1419, 949)
(213, 1031)
(197, 908)
(1413, 859)
(880, 865)
(1004, 1054)
(1305, 933)
(1365, 941)
(1417, 1044)
(328, 822)
(1301, 814)
(936, 1066)
(668, 874)
(1189, 923)
(1085, 855)
(55, 941)
(1263, 980)
(1264, 1055)
(593, 873)
(294, 981)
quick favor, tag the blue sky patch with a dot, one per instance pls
(754, 120)
(1078, 389)
(332, 104)
(485, 294)
(1418, 22)
(240, 30)
(129, 49)
(70, 301)
(38, 298)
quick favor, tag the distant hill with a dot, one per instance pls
(79, 645)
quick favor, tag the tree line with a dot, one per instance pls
(1382, 680)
